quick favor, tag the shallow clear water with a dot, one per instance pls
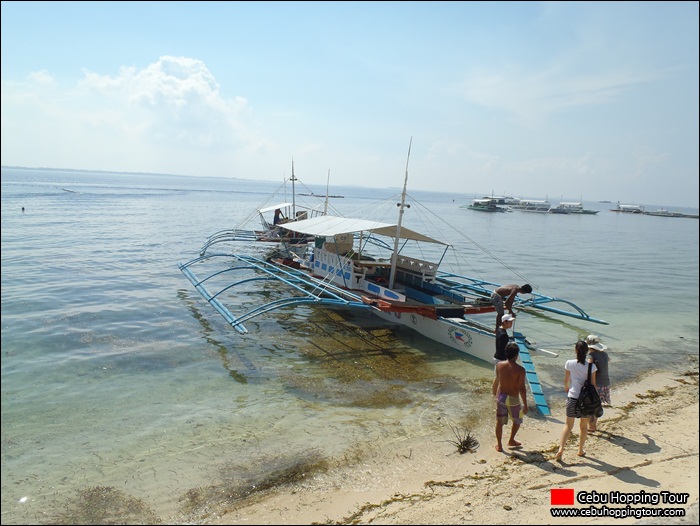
(117, 374)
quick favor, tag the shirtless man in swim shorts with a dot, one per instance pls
(508, 388)
(503, 298)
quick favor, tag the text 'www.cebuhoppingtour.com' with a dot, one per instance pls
(622, 505)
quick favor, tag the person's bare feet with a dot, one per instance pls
(581, 453)
(499, 448)
(514, 443)
(558, 456)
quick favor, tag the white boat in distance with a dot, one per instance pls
(378, 267)
(628, 209)
(487, 204)
(572, 208)
(532, 205)
(663, 212)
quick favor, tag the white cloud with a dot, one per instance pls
(166, 117)
(41, 77)
(174, 101)
(532, 97)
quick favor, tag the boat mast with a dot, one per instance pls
(401, 206)
(328, 179)
(294, 194)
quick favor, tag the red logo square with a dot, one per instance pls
(561, 497)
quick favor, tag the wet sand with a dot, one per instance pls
(647, 443)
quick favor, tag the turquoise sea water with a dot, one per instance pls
(121, 385)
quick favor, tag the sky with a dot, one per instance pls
(563, 100)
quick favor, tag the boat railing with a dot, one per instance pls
(426, 270)
(333, 264)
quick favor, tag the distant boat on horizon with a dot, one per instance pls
(663, 212)
(572, 208)
(533, 205)
(487, 204)
(628, 209)
(324, 196)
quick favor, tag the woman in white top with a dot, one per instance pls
(576, 374)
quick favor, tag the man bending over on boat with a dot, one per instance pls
(508, 388)
(503, 297)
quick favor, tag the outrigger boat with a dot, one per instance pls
(367, 265)
(272, 217)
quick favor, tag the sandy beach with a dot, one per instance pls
(646, 445)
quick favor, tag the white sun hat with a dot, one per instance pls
(594, 343)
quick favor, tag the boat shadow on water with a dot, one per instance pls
(364, 363)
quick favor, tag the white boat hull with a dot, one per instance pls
(470, 340)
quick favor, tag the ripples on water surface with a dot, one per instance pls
(121, 385)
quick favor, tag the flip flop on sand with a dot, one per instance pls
(514, 443)
(582, 454)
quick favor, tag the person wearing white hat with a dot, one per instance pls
(596, 352)
(502, 337)
(594, 343)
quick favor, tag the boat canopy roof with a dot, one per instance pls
(327, 226)
(274, 207)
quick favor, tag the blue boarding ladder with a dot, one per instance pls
(531, 375)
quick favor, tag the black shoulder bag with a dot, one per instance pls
(588, 400)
